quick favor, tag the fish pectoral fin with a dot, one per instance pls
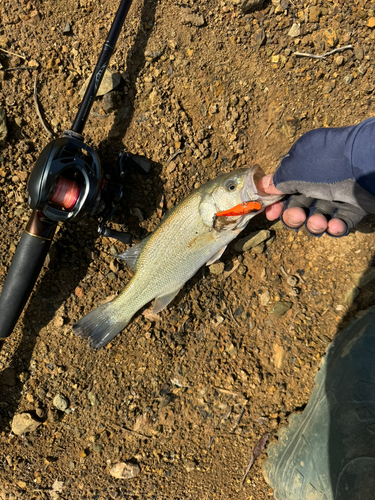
(164, 300)
(217, 256)
(131, 255)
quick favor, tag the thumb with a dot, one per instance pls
(265, 184)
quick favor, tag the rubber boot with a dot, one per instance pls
(328, 451)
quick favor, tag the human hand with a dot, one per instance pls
(330, 177)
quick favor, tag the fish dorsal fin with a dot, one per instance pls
(217, 256)
(164, 300)
(131, 255)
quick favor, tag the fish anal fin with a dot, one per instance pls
(164, 300)
(131, 255)
(217, 256)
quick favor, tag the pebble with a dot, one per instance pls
(125, 470)
(348, 79)
(60, 403)
(339, 60)
(279, 355)
(193, 19)
(371, 22)
(67, 29)
(260, 37)
(3, 125)
(264, 298)
(295, 30)
(217, 268)
(358, 52)
(292, 280)
(109, 82)
(280, 308)
(252, 240)
(250, 5)
(93, 399)
(189, 465)
(314, 14)
(23, 423)
(331, 37)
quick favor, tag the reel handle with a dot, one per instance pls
(24, 270)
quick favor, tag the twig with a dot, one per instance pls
(38, 110)
(173, 155)
(258, 448)
(135, 432)
(232, 316)
(323, 56)
(19, 68)
(13, 54)
(238, 419)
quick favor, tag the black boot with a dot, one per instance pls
(328, 451)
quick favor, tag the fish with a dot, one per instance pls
(188, 237)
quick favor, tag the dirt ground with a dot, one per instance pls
(204, 88)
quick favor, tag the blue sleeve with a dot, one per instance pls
(331, 155)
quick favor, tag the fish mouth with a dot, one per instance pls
(250, 191)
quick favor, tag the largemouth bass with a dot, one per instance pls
(189, 236)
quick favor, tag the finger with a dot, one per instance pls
(294, 217)
(336, 227)
(265, 184)
(317, 224)
(274, 211)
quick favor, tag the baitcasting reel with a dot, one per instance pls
(66, 184)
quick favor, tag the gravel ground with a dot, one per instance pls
(179, 400)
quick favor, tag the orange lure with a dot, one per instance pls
(243, 208)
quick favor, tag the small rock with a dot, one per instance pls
(362, 69)
(264, 298)
(339, 60)
(189, 465)
(314, 14)
(109, 82)
(60, 403)
(114, 266)
(279, 355)
(292, 280)
(23, 423)
(125, 470)
(358, 52)
(260, 37)
(331, 37)
(295, 30)
(153, 55)
(280, 308)
(213, 109)
(348, 79)
(67, 29)
(252, 240)
(194, 19)
(371, 22)
(93, 399)
(217, 268)
(250, 5)
(3, 125)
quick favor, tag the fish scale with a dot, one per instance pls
(186, 239)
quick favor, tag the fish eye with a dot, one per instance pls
(230, 185)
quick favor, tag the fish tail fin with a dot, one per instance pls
(101, 325)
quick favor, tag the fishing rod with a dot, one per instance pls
(66, 184)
